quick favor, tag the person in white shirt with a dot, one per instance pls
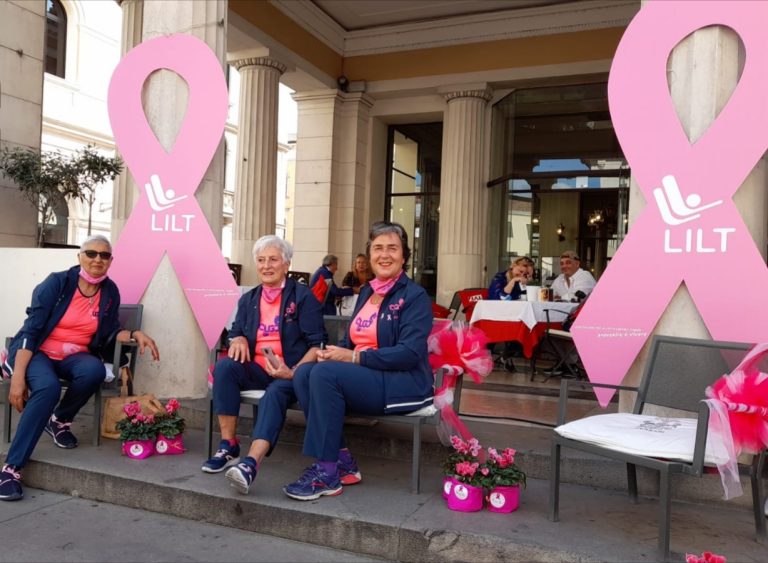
(572, 278)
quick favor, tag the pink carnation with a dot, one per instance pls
(474, 447)
(706, 557)
(459, 445)
(172, 406)
(485, 471)
(149, 419)
(465, 468)
(132, 409)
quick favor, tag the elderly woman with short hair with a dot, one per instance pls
(381, 366)
(69, 333)
(278, 327)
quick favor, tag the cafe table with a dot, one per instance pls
(522, 321)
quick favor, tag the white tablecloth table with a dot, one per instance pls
(522, 321)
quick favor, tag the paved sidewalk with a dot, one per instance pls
(381, 518)
(53, 527)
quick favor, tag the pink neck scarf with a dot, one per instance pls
(382, 287)
(90, 279)
(271, 294)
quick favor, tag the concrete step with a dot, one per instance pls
(393, 441)
(381, 518)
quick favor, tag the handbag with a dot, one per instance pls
(113, 406)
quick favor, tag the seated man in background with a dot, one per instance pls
(509, 285)
(572, 279)
(324, 288)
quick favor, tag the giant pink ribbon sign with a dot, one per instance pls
(167, 217)
(690, 231)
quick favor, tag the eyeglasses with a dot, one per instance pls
(93, 254)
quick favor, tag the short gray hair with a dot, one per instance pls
(96, 238)
(266, 241)
(330, 259)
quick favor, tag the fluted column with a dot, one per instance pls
(331, 193)
(462, 194)
(124, 188)
(256, 175)
(167, 315)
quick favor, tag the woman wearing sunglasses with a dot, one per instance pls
(71, 325)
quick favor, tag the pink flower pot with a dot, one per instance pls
(138, 449)
(169, 446)
(504, 498)
(448, 483)
(465, 498)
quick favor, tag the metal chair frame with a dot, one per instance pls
(695, 364)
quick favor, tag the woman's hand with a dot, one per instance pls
(19, 392)
(282, 371)
(145, 342)
(238, 350)
(335, 353)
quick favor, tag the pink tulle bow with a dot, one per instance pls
(744, 392)
(459, 345)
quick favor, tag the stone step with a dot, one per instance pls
(381, 518)
(393, 441)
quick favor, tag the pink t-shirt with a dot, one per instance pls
(363, 332)
(75, 329)
(268, 333)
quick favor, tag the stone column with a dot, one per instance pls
(124, 192)
(703, 73)
(331, 164)
(167, 315)
(256, 176)
(463, 196)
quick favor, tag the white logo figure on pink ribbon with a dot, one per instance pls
(168, 218)
(694, 232)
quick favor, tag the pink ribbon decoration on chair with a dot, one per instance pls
(690, 230)
(167, 217)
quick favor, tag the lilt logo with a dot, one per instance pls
(676, 211)
(160, 200)
(670, 202)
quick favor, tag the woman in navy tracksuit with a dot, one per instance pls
(381, 367)
(70, 330)
(280, 316)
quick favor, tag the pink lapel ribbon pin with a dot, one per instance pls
(167, 217)
(690, 232)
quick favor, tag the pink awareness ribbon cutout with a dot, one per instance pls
(690, 230)
(167, 217)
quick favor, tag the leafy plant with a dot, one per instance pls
(502, 468)
(48, 179)
(136, 425)
(469, 464)
(170, 424)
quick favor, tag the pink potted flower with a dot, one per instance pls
(505, 481)
(137, 432)
(464, 476)
(169, 427)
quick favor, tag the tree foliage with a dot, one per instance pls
(49, 179)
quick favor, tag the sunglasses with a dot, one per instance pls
(93, 254)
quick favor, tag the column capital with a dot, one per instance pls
(484, 94)
(260, 61)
